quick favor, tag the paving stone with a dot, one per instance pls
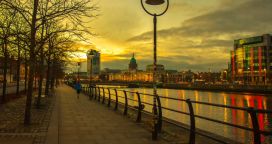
(12, 129)
(84, 121)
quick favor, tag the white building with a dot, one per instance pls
(93, 63)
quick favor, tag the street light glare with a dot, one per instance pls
(154, 2)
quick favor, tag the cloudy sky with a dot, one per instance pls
(193, 34)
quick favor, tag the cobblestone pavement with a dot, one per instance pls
(81, 121)
(12, 129)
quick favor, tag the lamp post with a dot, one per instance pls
(78, 66)
(264, 76)
(248, 75)
(155, 15)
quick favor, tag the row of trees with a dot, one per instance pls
(41, 33)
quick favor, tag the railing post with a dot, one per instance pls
(103, 100)
(109, 98)
(90, 94)
(95, 92)
(160, 114)
(116, 100)
(98, 94)
(255, 125)
(192, 122)
(139, 116)
(126, 103)
(88, 89)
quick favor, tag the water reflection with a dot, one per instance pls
(223, 114)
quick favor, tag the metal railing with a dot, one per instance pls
(103, 93)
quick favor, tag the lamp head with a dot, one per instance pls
(154, 2)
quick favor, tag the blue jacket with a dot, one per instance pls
(78, 86)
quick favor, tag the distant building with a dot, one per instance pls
(93, 63)
(174, 76)
(132, 67)
(83, 66)
(159, 68)
(209, 77)
(11, 70)
(251, 59)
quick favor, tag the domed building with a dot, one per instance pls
(132, 64)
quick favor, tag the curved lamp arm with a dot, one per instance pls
(167, 6)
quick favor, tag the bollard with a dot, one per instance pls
(103, 100)
(109, 98)
(126, 103)
(160, 114)
(255, 125)
(116, 100)
(139, 116)
(98, 94)
(192, 122)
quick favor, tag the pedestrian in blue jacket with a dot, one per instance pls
(78, 88)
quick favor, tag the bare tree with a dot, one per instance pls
(6, 22)
(70, 12)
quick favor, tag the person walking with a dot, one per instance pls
(78, 88)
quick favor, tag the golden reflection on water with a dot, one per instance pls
(224, 114)
(144, 97)
(196, 99)
(210, 101)
(166, 101)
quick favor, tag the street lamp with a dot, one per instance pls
(154, 110)
(78, 66)
(248, 76)
(265, 76)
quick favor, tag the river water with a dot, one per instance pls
(239, 117)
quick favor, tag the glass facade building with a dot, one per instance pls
(251, 60)
(93, 63)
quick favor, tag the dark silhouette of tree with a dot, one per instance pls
(69, 15)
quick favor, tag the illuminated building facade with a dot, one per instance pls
(159, 68)
(251, 60)
(93, 63)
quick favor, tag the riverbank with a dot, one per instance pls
(261, 89)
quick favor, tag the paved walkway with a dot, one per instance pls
(81, 121)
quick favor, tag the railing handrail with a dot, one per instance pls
(249, 110)
(204, 103)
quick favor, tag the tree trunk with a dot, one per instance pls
(48, 77)
(5, 71)
(10, 70)
(41, 70)
(26, 72)
(48, 73)
(40, 81)
(52, 81)
(18, 69)
(32, 60)
(35, 77)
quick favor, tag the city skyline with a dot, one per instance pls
(192, 35)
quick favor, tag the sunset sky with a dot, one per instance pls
(193, 34)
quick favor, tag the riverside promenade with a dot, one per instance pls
(81, 121)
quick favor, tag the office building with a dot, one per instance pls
(251, 60)
(93, 63)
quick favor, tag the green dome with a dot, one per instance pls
(132, 64)
(133, 60)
